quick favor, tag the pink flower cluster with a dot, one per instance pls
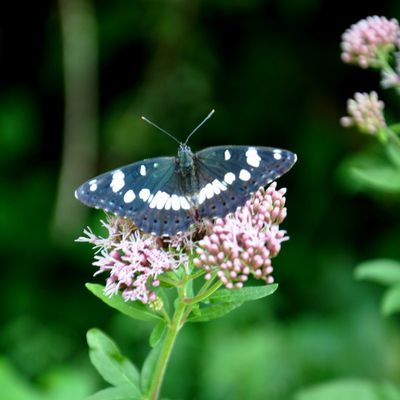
(361, 41)
(243, 243)
(365, 112)
(134, 261)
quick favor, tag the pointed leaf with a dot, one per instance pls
(109, 362)
(132, 309)
(385, 271)
(244, 294)
(157, 333)
(148, 367)
(213, 312)
(391, 301)
(393, 152)
(116, 393)
(382, 178)
(342, 389)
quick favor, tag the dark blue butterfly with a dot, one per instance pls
(166, 195)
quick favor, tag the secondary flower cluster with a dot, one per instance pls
(134, 261)
(365, 112)
(362, 40)
(242, 244)
(233, 248)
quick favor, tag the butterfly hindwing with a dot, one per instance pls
(166, 195)
(147, 192)
(229, 174)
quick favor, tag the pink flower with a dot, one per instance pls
(361, 41)
(233, 248)
(133, 261)
(365, 112)
(243, 243)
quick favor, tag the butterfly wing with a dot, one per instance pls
(229, 174)
(147, 192)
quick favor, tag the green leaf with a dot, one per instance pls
(244, 294)
(375, 169)
(341, 389)
(388, 391)
(148, 367)
(65, 383)
(116, 393)
(384, 178)
(14, 386)
(393, 152)
(157, 333)
(391, 301)
(110, 363)
(385, 271)
(213, 312)
(132, 309)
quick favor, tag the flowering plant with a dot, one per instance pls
(194, 276)
(375, 42)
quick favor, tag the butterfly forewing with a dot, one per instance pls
(229, 174)
(148, 192)
(166, 195)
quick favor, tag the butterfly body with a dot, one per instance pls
(166, 195)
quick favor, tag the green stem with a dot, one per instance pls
(174, 327)
(204, 294)
(197, 274)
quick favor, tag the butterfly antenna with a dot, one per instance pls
(198, 126)
(161, 129)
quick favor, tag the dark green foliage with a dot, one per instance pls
(272, 71)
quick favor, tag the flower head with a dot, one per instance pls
(361, 41)
(243, 243)
(232, 248)
(366, 112)
(134, 261)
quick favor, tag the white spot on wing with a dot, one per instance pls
(76, 194)
(164, 197)
(129, 196)
(215, 188)
(159, 200)
(143, 170)
(175, 202)
(168, 203)
(252, 157)
(144, 194)
(244, 175)
(202, 196)
(227, 155)
(184, 203)
(209, 191)
(118, 181)
(229, 178)
(277, 154)
(93, 187)
(218, 186)
(153, 200)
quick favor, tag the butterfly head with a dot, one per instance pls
(185, 158)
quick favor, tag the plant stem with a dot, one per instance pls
(203, 294)
(168, 344)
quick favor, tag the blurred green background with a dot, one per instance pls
(76, 75)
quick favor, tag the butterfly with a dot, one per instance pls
(165, 195)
